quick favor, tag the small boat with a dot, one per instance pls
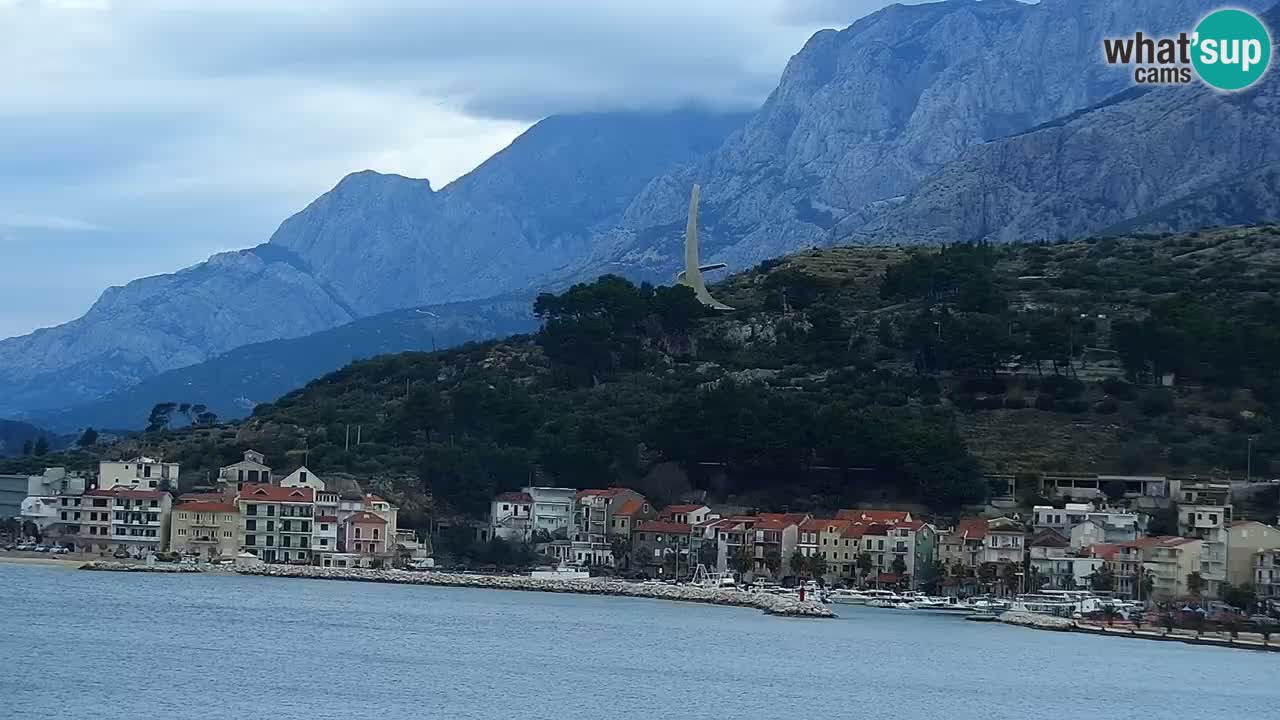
(940, 605)
(846, 596)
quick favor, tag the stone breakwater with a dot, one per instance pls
(1034, 620)
(112, 566)
(771, 604)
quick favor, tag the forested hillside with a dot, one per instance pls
(845, 375)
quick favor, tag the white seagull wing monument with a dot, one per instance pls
(691, 276)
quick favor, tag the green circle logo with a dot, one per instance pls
(1232, 49)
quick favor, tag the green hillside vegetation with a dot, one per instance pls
(845, 375)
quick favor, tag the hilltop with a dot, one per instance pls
(845, 375)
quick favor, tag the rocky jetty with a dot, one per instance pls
(771, 604)
(114, 566)
(1035, 620)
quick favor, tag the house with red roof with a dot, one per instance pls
(208, 529)
(367, 534)
(633, 510)
(594, 523)
(511, 516)
(687, 514)
(277, 522)
(662, 548)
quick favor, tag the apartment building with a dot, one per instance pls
(593, 523)
(1004, 542)
(1171, 560)
(139, 519)
(367, 534)
(662, 548)
(277, 522)
(141, 473)
(205, 529)
(1266, 577)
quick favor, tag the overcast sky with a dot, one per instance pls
(140, 136)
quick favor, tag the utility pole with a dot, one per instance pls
(346, 445)
(1248, 477)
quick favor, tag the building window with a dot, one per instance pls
(375, 533)
(250, 524)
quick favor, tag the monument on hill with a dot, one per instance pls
(691, 276)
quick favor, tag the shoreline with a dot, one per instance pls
(1057, 624)
(769, 604)
(72, 564)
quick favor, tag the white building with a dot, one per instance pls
(141, 473)
(252, 469)
(552, 509)
(1117, 525)
(139, 519)
(511, 516)
(302, 477)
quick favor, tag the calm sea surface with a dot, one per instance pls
(108, 645)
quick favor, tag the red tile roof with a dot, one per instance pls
(972, 528)
(327, 518)
(789, 518)
(608, 493)
(663, 526)
(516, 497)
(854, 531)
(371, 498)
(366, 517)
(276, 494)
(208, 506)
(634, 506)
(1105, 551)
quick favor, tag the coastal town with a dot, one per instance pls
(1099, 535)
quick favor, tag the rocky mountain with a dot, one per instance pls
(231, 384)
(862, 116)
(372, 244)
(1171, 158)
(1248, 198)
(936, 122)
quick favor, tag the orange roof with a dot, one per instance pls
(366, 517)
(663, 526)
(1106, 551)
(773, 524)
(518, 497)
(633, 506)
(854, 531)
(276, 494)
(327, 518)
(209, 506)
(611, 492)
(972, 528)
(370, 497)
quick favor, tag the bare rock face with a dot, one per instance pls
(862, 116)
(1174, 158)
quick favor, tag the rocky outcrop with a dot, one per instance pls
(771, 604)
(1144, 153)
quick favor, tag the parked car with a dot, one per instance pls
(27, 547)
(59, 550)
(41, 548)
